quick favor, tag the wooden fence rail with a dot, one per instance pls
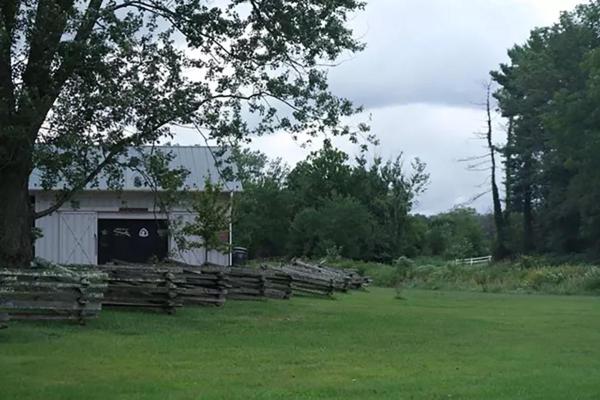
(253, 284)
(343, 279)
(78, 293)
(203, 287)
(474, 261)
(56, 293)
(304, 285)
(3, 320)
(320, 280)
(278, 285)
(145, 287)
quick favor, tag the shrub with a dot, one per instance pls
(539, 277)
(342, 223)
(404, 263)
(529, 262)
(592, 280)
(518, 277)
(387, 276)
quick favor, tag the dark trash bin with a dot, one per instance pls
(239, 255)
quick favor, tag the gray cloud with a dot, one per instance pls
(421, 79)
(438, 135)
(433, 51)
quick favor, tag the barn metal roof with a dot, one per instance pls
(201, 162)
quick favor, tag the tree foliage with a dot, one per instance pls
(329, 204)
(457, 234)
(264, 211)
(212, 219)
(549, 91)
(341, 226)
(81, 80)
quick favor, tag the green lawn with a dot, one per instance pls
(433, 345)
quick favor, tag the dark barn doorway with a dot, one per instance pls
(132, 240)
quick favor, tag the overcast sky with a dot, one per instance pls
(420, 79)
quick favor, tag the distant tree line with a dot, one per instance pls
(330, 206)
(550, 94)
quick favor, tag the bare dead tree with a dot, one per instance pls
(488, 162)
(500, 248)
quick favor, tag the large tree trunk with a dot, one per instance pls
(509, 170)
(16, 217)
(528, 232)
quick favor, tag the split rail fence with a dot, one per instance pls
(3, 320)
(205, 288)
(256, 284)
(78, 293)
(146, 287)
(57, 293)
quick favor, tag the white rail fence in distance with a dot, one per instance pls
(474, 261)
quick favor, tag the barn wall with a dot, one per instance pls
(100, 201)
(70, 235)
(195, 256)
(48, 245)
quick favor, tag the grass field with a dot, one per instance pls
(432, 345)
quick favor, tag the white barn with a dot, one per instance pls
(99, 225)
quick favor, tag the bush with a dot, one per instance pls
(383, 275)
(564, 279)
(519, 277)
(386, 276)
(341, 223)
(403, 263)
(539, 277)
(529, 262)
(592, 280)
(457, 234)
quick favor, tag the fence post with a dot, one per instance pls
(347, 282)
(3, 320)
(289, 286)
(263, 285)
(171, 292)
(82, 300)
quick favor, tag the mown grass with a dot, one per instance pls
(433, 345)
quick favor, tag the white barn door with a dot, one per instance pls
(77, 237)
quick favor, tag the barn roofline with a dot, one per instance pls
(200, 161)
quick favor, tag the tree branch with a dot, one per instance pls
(83, 33)
(115, 150)
(67, 195)
(50, 24)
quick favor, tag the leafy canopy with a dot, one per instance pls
(550, 91)
(85, 79)
(327, 204)
(212, 216)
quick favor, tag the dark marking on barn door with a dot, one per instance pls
(136, 241)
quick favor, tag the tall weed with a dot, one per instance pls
(526, 275)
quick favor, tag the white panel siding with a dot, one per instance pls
(218, 258)
(195, 256)
(46, 247)
(111, 202)
(70, 234)
(77, 238)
